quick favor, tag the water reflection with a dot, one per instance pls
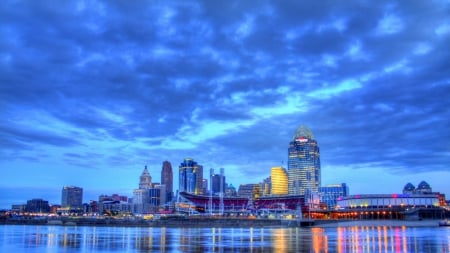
(119, 239)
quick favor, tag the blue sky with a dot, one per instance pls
(92, 91)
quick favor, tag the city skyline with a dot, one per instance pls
(91, 92)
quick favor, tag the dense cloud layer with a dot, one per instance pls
(89, 86)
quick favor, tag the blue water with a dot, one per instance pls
(27, 238)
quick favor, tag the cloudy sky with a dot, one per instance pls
(91, 92)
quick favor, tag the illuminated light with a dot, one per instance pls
(394, 196)
(302, 139)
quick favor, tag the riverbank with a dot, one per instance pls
(374, 223)
(186, 221)
(182, 221)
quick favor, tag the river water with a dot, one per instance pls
(29, 238)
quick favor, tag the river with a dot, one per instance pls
(35, 238)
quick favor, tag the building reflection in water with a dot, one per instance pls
(122, 239)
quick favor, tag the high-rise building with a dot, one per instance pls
(216, 184)
(190, 177)
(72, 196)
(303, 162)
(279, 181)
(167, 179)
(141, 198)
(145, 181)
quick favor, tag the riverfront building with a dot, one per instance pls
(218, 183)
(303, 163)
(72, 197)
(279, 181)
(167, 180)
(37, 206)
(330, 194)
(141, 198)
(190, 177)
(388, 201)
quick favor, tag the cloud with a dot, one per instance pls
(102, 86)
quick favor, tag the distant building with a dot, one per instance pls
(331, 193)
(279, 181)
(409, 189)
(389, 201)
(422, 188)
(249, 191)
(167, 180)
(230, 191)
(145, 180)
(266, 186)
(114, 197)
(303, 162)
(216, 184)
(155, 196)
(190, 177)
(37, 206)
(72, 197)
(141, 200)
(20, 208)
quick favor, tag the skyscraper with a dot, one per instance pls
(303, 162)
(145, 181)
(279, 181)
(72, 196)
(190, 176)
(167, 179)
(141, 198)
(216, 183)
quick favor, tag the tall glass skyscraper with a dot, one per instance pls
(190, 177)
(303, 162)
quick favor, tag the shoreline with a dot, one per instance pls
(219, 222)
(375, 223)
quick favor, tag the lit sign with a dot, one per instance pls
(302, 139)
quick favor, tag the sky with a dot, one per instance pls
(92, 91)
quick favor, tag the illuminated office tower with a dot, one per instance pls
(167, 179)
(72, 196)
(279, 181)
(190, 177)
(141, 199)
(145, 180)
(303, 162)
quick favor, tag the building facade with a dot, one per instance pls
(279, 181)
(388, 201)
(141, 199)
(218, 181)
(145, 180)
(303, 163)
(190, 177)
(249, 191)
(167, 180)
(72, 197)
(37, 206)
(330, 194)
